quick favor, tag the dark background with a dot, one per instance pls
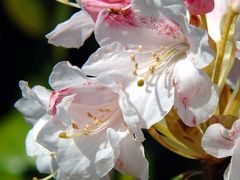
(26, 55)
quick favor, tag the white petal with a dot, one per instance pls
(216, 143)
(49, 134)
(149, 24)
(65, 75)
(34, 103)
(62, 109)
(77, 157)
(130, 116)
(233, 172)
(196, 96)
(106, 158)
(32, 147)
(214, 18)
(73, 32)
(46, 164)
(153, 100)
(131, 159)
(111, 63)
(31, 109)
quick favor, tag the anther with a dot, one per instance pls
(63, 135)
(151, 69)
(75, 126)
(135, 72)
(133, 57)
(140, 48)
(140, 82)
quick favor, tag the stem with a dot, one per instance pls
(204, 22)
(66, 2)
(221, 50)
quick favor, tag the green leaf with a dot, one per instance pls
(29, 15)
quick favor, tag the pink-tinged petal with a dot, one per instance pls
(153, 100)
(65, 75)
(199, 53)
(233, 172)
(93, 7)
(199, 7)
(195, 95)
(73, 32)
(130, 115)
(105, 159)
(216, 142)
(131, 159)
(214, 18)
(62, 108)
(126, 26)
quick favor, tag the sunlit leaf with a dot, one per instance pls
(29, 15)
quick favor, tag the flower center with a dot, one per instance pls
(96, 122)
(160, 60)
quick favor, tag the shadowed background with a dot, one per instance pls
(26, 55)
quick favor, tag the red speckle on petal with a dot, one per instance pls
(194, 121)
(164, 27)
(185, 102)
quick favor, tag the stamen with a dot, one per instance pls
(47, 177)
(75, 126)
(152, 68)
(133, 57)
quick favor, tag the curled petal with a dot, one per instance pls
(196, 96)
(73, 32)
(131, 159)
(65, 75)
(216, 143)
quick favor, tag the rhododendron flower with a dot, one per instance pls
(221, 142)
(73, 32)
(238, 50)
(33, 105)
(199, 7)
(164, 57)
(86, 132)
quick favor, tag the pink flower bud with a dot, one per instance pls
(199, 7)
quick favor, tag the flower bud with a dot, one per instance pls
(199, 7)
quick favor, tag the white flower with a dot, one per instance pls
(83, 128)
(166, 64)
(34, 105)
(73, 32)
(221, 142)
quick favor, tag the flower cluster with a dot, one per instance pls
(152, 71)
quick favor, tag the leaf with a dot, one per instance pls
(29, 15)
(13, 159)
(190, 136)
(172, 146)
